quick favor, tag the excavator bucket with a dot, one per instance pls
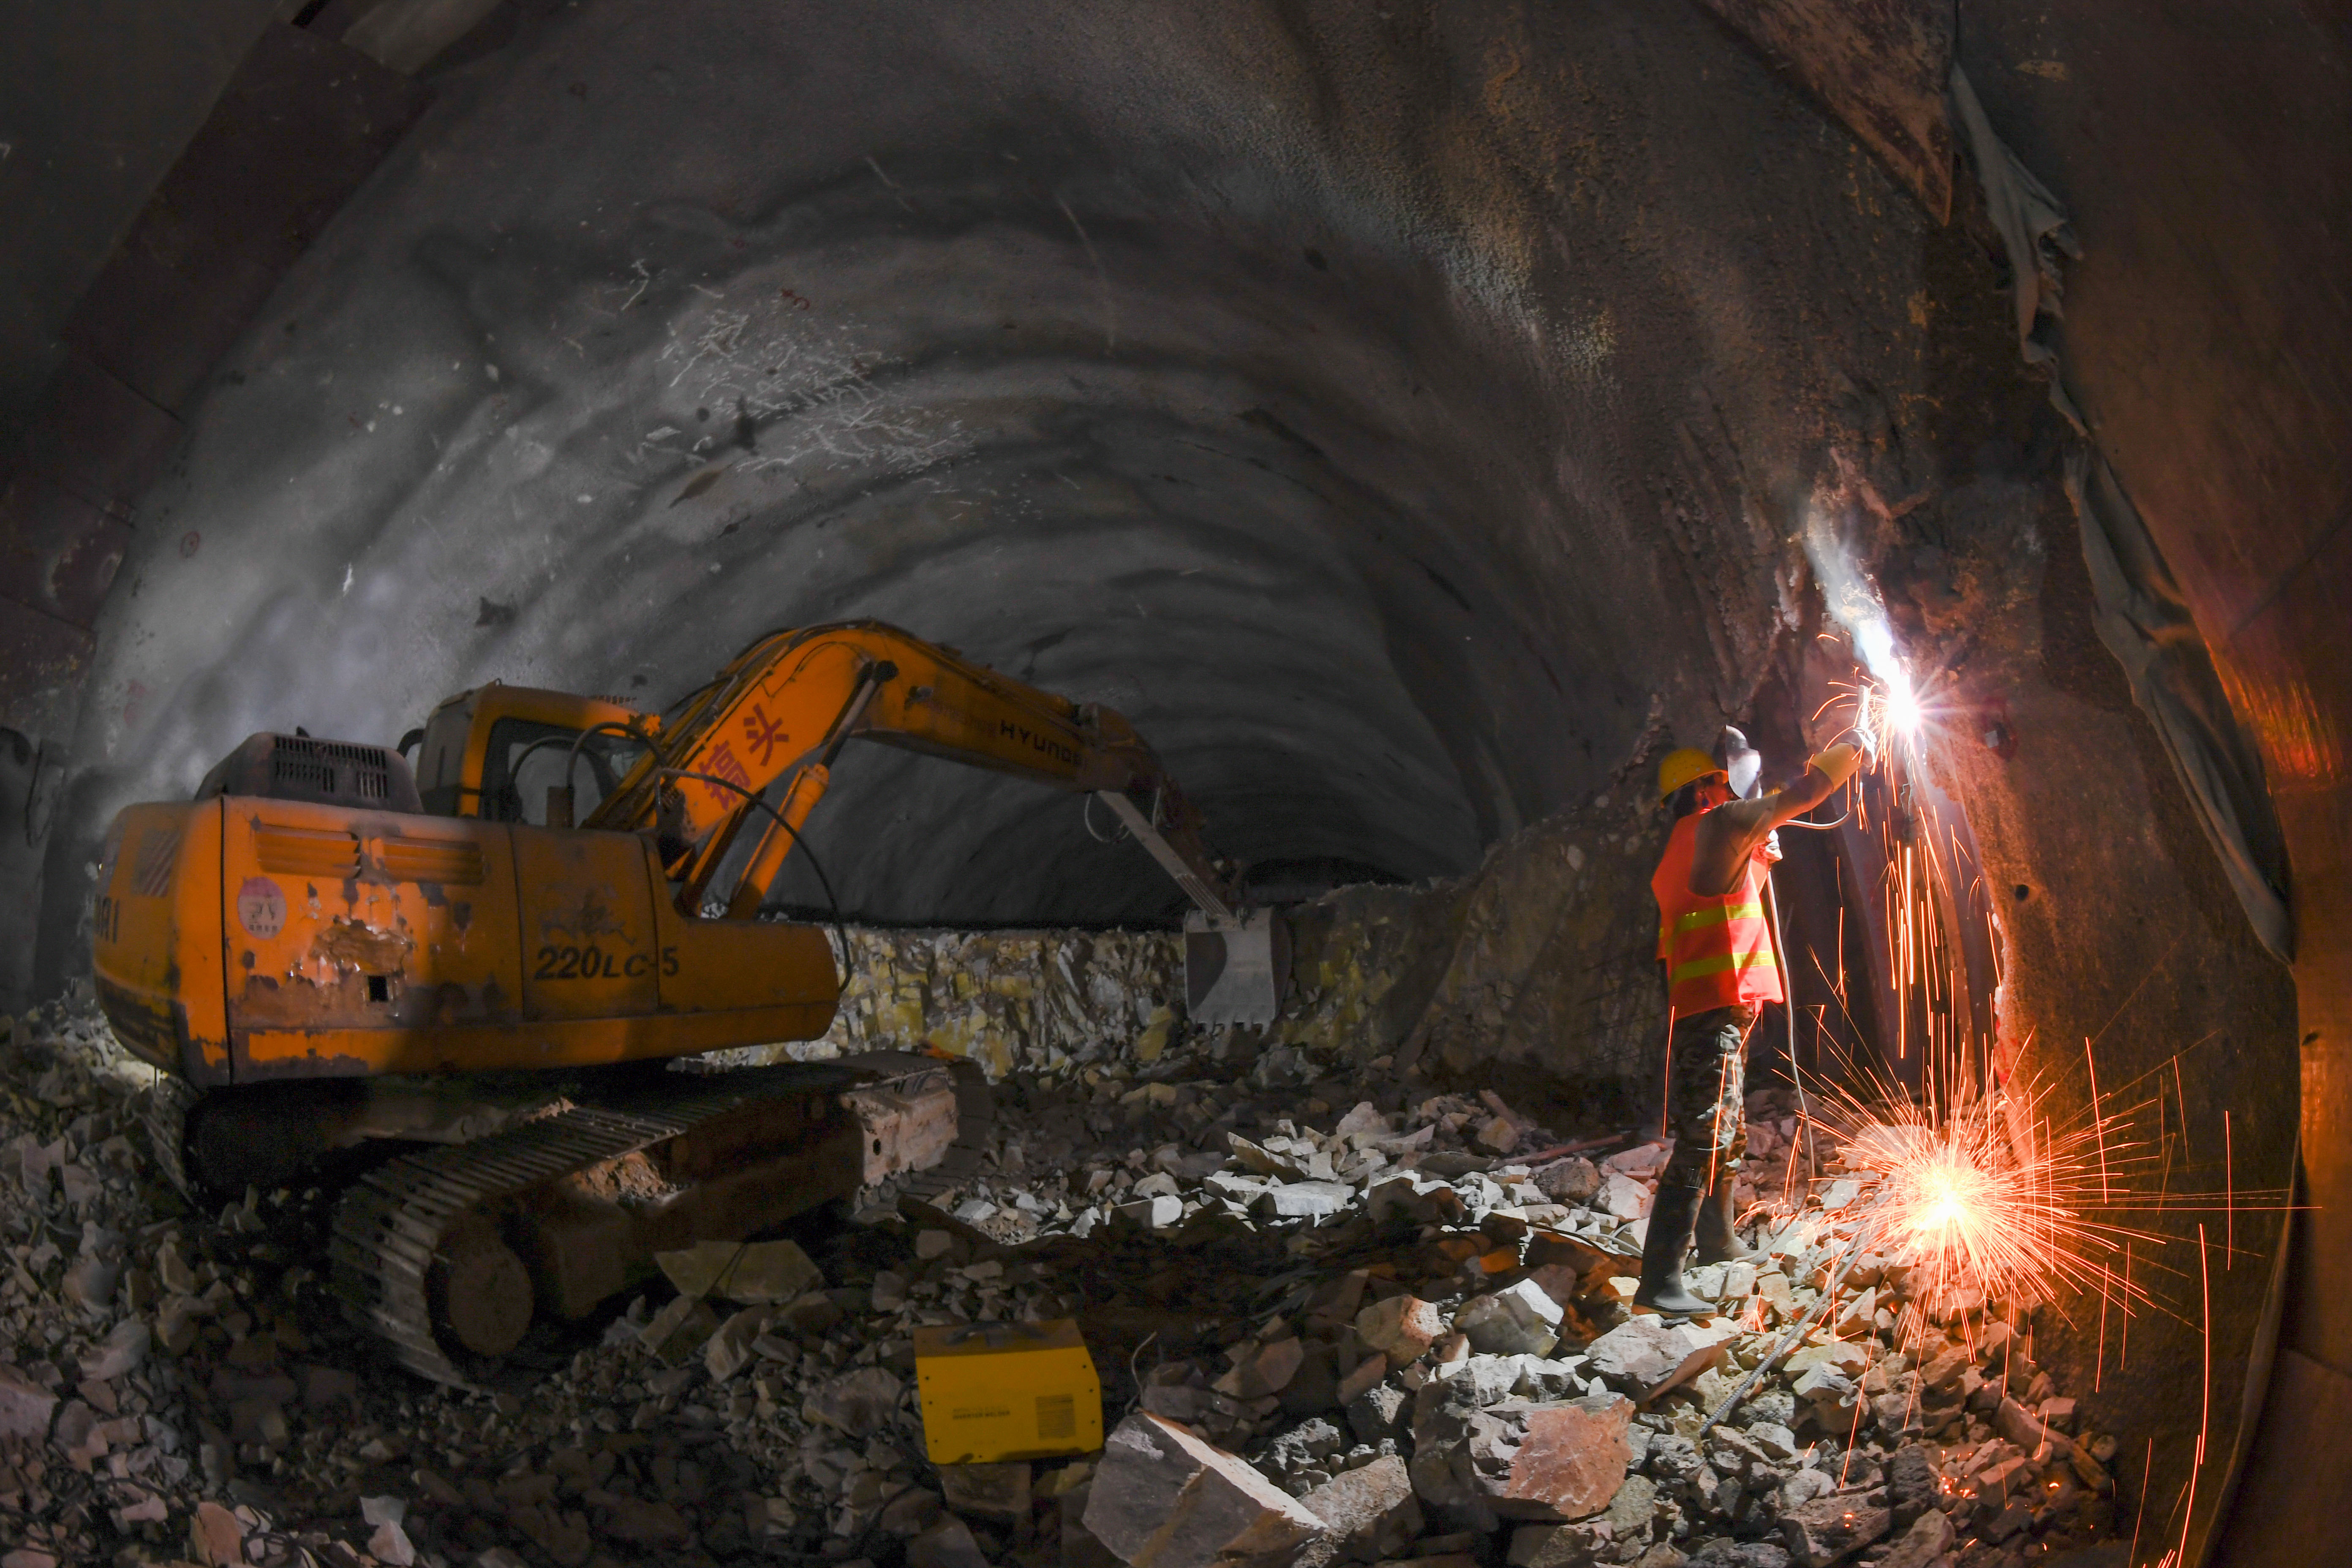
(1235, 972)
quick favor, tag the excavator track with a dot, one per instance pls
(163, 1111)
(389, 1227)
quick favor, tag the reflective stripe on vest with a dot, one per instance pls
(1718, 951)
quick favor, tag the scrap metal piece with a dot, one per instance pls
(905, 1124)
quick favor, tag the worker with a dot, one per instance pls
(1716, 946)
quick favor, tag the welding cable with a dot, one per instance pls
(572, 758)
(840, 929)
(515, 772)
(581, 740)
(1789, 1006)
(1119, 836)
(1086, 819)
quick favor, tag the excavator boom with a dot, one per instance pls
(784, 707)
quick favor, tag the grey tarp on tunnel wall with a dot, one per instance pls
(2143, 618)
(2145, 622)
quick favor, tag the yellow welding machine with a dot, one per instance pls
(995, 1392)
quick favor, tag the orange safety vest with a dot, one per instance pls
(1718, 951)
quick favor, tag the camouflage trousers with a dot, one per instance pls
(1707, 1096)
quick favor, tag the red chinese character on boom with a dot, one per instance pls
(763, 733)
(723, 764)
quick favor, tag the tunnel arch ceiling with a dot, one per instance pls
(1401, 418)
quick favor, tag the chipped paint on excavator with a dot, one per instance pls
(347, 942)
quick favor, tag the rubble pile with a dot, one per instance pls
(1329, 1329)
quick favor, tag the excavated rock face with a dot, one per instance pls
(1393, 414)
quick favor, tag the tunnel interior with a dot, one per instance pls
(1416, 420)
(1395, 515)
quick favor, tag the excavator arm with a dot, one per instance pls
(782, 710)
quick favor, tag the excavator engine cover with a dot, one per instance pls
(241, 938)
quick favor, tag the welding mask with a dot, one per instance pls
(1741, 762)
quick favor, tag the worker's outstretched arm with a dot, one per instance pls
(1728, 835)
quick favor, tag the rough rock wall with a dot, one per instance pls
(1540, 961)
(1554, 966)
(1032, 1002)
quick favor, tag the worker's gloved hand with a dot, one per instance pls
(1770, 850)
(1838, 762)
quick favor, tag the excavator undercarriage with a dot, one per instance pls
(481, 1205)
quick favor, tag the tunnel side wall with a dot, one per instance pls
(2206, 155)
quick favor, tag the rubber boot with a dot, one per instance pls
(1661, 1288)
(1718, 1241)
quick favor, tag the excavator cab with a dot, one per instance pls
(494, 753)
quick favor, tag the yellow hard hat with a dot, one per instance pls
(1685, 766)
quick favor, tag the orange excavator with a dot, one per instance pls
(330, 956)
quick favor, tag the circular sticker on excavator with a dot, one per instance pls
(260, 907)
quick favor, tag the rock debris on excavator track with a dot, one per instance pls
(1388, 1330)
(388, 1228)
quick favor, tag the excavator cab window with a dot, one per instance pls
(525, 757)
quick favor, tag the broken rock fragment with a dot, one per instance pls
(1570, 1460)
(856, 1404)
(1151, 1213)
(1579, 1545)
(1162, 1498)
(1305, 1200)
(1517, 1458)
(1911, 1484)
(1829, 1528)
(1401, 1328)
(729, 1350)
(1927, 1541)
(1369, 1513)
(946, 1544)
(1645, 1357)
(1219, 1416)
(1262, 1369)
(214, 1536)
(754, 1274)
(678, 1330)
(123, 1350)
(1570, 1181)
(1378, 1413)
(987, 1491)
(24, 1405)
(1520, 1321)
(1622, 1196)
